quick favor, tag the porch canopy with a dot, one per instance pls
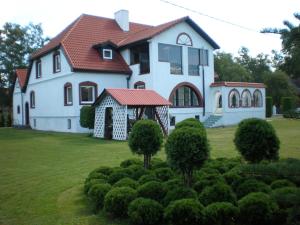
(117, 110)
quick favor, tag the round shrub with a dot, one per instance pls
(221, 213)
(164, 174)
(103, 169)
(191, 122)
(126, 182)
(89, 183)
(187, 149)
(256, 140)
(179, 193)
(87, 116)
(251, 185)
(152, 189)
(146, 178)
(143, 211)
(96, 195)
(158, 163)
(173, 183)
(129, 162)
(218, 192)
(117, 175)
(281, 184)
(116, 201)
(145, 139)
(286, 197)
(136, 171)
(207, 180)
(256, 208)
(232, 177)
(185, 211)
(97, 175)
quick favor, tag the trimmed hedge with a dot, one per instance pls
(126, 182)
(286, 197)
(269, 107)
(221, 213)
(96, 195)
(164, 174)
(153, 190)
(91, 182)
(251, 185)
(191, 122)
(179, 193)
(129, 162)
(87, 117)
(286, 104)
(146, 178)
(281, 184)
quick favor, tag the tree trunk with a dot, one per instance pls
(147, 159)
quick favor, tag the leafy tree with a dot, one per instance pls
(87, 117)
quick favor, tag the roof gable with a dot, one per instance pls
(21, 74)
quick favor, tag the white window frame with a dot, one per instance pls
(105, 50)
(68, 101)
(57, 63)
(93, 95)
(39, 69)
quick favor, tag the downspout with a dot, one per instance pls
(22, 107)
(203, 90)
(127, 79)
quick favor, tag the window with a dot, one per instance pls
(139, 85)
(246, 98)
(234, 98)
(69, 124)
(68, 94)
(56, 62)
(88, 92)
(257, 99)
(185, 96)
(140, 55)
(171, 54)
(203, 57)
(107, 53)
(38, 69)
(32, 99)
(172, 121)
(18, 109)
(184, 39)
(194, 61)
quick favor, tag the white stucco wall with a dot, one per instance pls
(17, 101)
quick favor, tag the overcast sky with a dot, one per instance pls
(55, 15)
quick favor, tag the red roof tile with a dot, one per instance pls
(21, 75)
(237, 84)
(136, 97)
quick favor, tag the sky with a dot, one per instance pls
(55, 15)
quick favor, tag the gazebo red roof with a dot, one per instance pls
(134, 97)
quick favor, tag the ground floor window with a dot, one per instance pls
(257, 99)
(234, 98)
(185, 96)
(88, 92)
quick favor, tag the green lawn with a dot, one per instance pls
(41, 173)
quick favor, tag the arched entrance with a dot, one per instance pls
(26, 114)
(108, 129)
(218, 103)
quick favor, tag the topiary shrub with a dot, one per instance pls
(136, 171)
(286, 104)
(179, 193)
(158, 163)
(145, 139)
(126, 182)
(152, 189)
(256, 140)
(191, 122)
(116, 201)
(205, 180)
(218, 192)
(269, 107)
(233, 178)
(187, 149)
(251, 185)
(173, 183)
(102, 169)
(117, 175)
(87, 117)
(256, 208)
(96, 175)
(164, 174)
(286, 197)
(185, 211)
(282, 183)
(96, 195)
(91, 182)
(146, 178)
(143, 211)
(221, 213)
(129, 162)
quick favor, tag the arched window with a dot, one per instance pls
(32, 99)
(185, 95)
(257, 98)
(139, 85)
(87, 92)
(184, 39)
(246, 98)
(68, 94)
(234, 99)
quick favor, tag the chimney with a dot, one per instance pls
(122, 18)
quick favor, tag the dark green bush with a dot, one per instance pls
(256, 140)
(282, 184)
(148, 177)
(251, 185)
(96, 195)
(185, 212)
(126, 182)
(221, 213)
(179, 193)
(129, 162)
(233, 178)
(286, 104)
(158, 163)
(136, 171)
(293, 217)
(286, 197)
(187, 149)
(143, 211)
(205, 180)
(116, 201)
(97, 175)
(292, 114)
(221, 164)
(89, 183)
(8, 120)
(103, 169)
(269, 107)
(117, 175)
(164, 174)
(87, 117)
(173, 183)
(218, 192)
(153, 190)
(256, 208)
(2, 120)
(145, 139)
(191, 122)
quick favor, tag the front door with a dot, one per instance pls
(26, 114)
(108, 129)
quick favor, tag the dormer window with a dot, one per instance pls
(107, 53)
(56, 62)
(38, 69)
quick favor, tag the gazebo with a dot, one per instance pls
(116, 110)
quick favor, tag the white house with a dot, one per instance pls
(174, 59)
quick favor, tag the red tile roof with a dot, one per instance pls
(21, 75)
(135, 97)
(237, 84)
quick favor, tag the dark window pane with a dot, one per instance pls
(194, 60)
(203, 57)
(87, 94)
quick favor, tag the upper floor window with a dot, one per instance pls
(56, 62)
(171, 54)
(139, 85)
(203, 57)
(184, 39)
(68, 94)
(185, 96)
(246, 98)
(32, 99)
(194, 61)
(38, 68)
(87, 92)
(234, 98)
(107, 53)
(257, 99)
(140, 55)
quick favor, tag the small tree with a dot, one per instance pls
(269, 106)
(87, 117)
(286, 104)
(145, 139)
(187, 148)
(256, 140)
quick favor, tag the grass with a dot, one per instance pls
(41, 173)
